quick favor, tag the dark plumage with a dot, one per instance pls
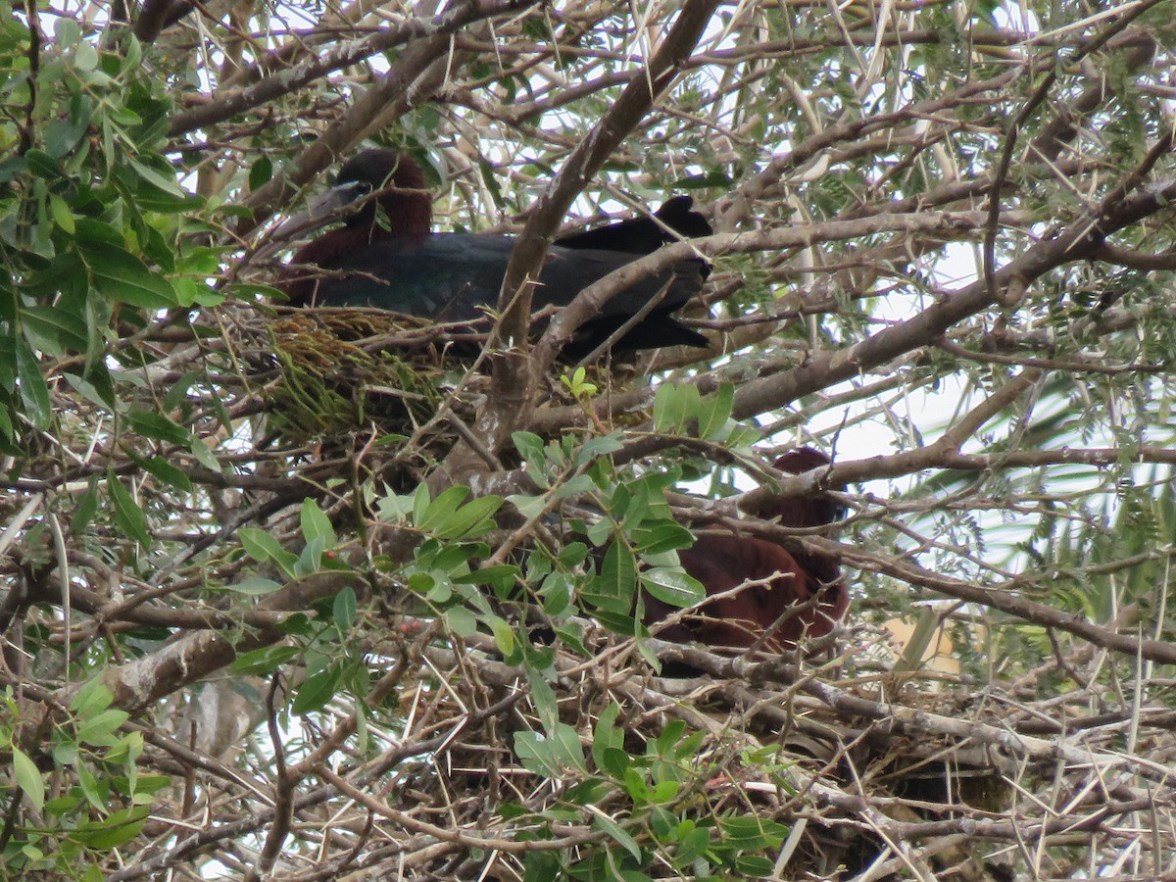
(809, 585)
(641, 235)
(456, 276)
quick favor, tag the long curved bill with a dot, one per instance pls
(332, 205)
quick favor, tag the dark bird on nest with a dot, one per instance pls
(798, 594)
(396, 263)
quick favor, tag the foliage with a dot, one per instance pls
(294, 595)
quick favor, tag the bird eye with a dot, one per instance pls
(347, 192)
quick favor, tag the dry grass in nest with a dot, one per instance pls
(343, 369)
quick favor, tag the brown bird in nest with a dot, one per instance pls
(787, 595)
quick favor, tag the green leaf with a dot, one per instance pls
(34, 391)
(451, 558)
(165, 471)
(439, 510)
(461, 621)
(127, 514)
(67, 31)
(545, 702)
(121, 827)
(54, 329)
(571, 751)
(662, 823)
(93, 697)
(715, 411)
(752, 833)
(533, 451)
(601, 445)
(100, 393)
(556, 593)
(63, 805)
(260, 173)
(664, 745)
(297, 625)
(132, 53)
(62, 216)
(664, 536)
(263, 548)
(28, 777)
(573, 554)
(317, 690)
(315, 523)
(266, 660)
(551, 757)
(42, 164)
(583, 793)
(8, 372)
(123, 278)
(601, 821)
(669, 407)
(86, 508)
(537, 754)
(693, 842)
(96, 234)
(471, 520)
(543, 866)
(151, 424)
(166, 183)
(63, 134)
(674, 586)
(753, 866)
(528, 506)
(95, 792)
(616, 762)
(343, 610)
(576, 486)
(255, 586)
(614, 587)
(311, 559)
(663, 793)
(572, 636)
(607, 737)
(7, 429)
(500, 575)
(101, 728)
(446, 518)
(718, 179)
(86, 57)
(204, 456)
(599, 532)
(504, 636)
(149, 784)
(420, 503)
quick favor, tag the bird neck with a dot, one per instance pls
(408, 204)
(347, 241)
(408, 209)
